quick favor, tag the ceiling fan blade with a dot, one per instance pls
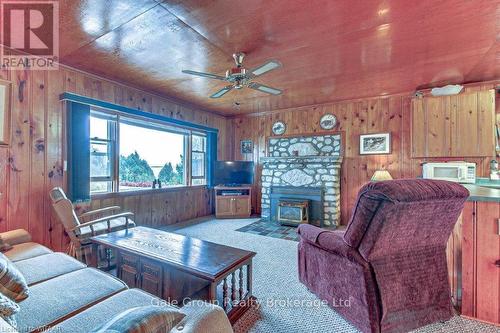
(263, 88)
(222, 92)
(266, 67)
(209, 75)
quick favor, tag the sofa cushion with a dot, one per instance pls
(142, 319)
(26, 251)
(17, 236)
(35, 269)
(12, 282)
(56, 299)
(4, 246)
(6, 327)
(8, 310)
(94, 316)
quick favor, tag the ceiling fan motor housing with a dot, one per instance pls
(238, 76)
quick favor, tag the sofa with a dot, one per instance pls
(387, 272)
(67, 296)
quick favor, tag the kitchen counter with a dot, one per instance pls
(482, 193)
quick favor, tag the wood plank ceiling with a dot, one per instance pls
(330, 50)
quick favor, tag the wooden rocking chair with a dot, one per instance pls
(79, 233)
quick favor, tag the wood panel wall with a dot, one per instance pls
(374, 115)
(33, 162)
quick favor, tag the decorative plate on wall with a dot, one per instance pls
(279, 128)
(328, 121)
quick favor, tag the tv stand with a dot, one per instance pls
(233, 201)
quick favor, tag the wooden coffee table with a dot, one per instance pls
(179, 268)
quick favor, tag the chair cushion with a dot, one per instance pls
(25, 251)
(143, 319)
(35, 269)
(63, 296)
(101, 228)
(94, 316)
(12, 282)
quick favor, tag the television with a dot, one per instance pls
(233, 173)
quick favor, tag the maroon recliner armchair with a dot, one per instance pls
(387, 272)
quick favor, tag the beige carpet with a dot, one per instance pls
(276, 284)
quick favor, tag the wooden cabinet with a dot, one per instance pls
(151, 277)
(233, 202)
(140, 273)
(128, 270)
(474, 261)
(454, 126)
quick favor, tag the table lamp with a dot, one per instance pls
(380, 175)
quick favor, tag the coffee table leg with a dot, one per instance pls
(212, 292)
(94, 256)
(249, 278)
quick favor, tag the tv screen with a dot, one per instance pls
(233, 173)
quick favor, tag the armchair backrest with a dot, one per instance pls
(64, 210)
(402, 216)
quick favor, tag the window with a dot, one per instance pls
(130, 154)
(102, 147)
(199, 156)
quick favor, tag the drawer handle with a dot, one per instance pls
(497, 263)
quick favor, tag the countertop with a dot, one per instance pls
(482, 193)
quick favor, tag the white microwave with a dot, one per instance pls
(460, 172)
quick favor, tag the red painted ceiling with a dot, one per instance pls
(330, 50)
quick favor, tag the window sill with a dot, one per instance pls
(145, 191)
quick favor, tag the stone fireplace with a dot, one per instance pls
(303, 168)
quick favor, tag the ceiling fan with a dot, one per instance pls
(239, 77)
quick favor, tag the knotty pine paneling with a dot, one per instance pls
(374, 115)
(32, 163)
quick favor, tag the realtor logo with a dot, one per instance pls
(29, 34)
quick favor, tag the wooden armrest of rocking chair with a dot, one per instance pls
(107, 219)
(99, 211)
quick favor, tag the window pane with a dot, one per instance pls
(96, 187)
(198, 164)
(98, 128)
(147, 154)
(199, 182)
(198, 143)
(100, 162)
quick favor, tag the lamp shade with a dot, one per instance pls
(381, 175)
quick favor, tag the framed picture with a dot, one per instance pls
(374, 144)
(4, 112)
(246, 146)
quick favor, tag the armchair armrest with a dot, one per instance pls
(107, 219)
(15, 237)
(99, 211)
(202, 317)
(328, 240)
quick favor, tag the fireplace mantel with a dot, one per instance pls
(303, 159)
